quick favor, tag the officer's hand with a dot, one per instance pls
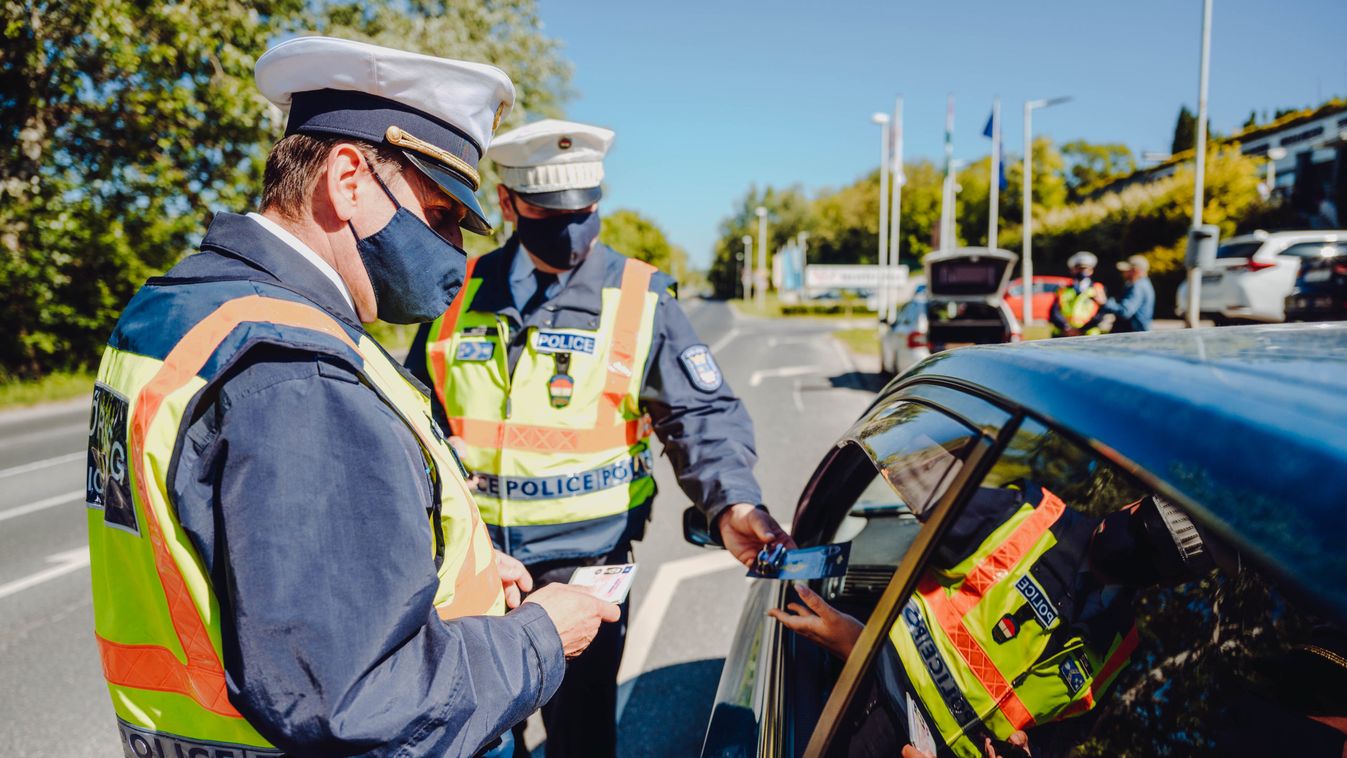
(820, 622)
(514, 578)
(1018, 739)
(746, 529)
(576, 614)
(911, 752)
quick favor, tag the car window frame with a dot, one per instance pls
(995, 426)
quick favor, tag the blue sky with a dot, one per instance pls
(709, 97)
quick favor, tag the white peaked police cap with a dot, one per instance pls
(552, 163)
(440, 112)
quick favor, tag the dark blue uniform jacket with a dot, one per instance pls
(706, 430)
(306, 498)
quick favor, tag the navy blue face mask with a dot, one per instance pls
(415, 272)
(561, 242)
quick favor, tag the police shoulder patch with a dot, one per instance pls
(701, 368)
(108, 479)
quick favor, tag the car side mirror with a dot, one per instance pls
(695, 528)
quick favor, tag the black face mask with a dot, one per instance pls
(415, 272)
(562, 242)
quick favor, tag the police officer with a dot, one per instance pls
(554, 367)
(295, 563)
(1075, 309)
(1025, 617)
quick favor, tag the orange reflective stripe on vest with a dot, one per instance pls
(504, 435)
(201, 677)
(950, 609)
(630, 303)
(439, 343)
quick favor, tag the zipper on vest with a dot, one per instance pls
(503, 358)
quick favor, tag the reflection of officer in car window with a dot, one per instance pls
(1023, 617)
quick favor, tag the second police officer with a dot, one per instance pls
(553, 367)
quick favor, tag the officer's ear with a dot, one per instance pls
(342, 182)
(506, 204)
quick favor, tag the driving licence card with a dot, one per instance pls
(611, 583)
(917, 730)
(809, 563)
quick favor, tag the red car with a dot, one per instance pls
(1044, 289)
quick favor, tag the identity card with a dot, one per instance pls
(611, 583)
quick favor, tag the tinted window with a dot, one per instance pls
(1238, 249)
(1315, 250)
(1067, 599)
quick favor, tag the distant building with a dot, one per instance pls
(1308, 155)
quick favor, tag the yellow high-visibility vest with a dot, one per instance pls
(156, 614)
(562, 439)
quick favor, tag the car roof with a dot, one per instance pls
(1289, 235)
(1244, 426)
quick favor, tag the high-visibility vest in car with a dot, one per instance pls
(977, 645)
(561, 439)
(1077, 308)
(156, 614)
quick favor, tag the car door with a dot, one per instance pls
(773, 687)
(1093, 655)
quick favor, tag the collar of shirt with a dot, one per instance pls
(522, 283)
(307, 253)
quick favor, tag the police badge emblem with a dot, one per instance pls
(559, 389)
(701, 368)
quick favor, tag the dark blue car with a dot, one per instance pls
(1243, 429)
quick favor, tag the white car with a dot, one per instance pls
(1254, 273)
(903, 344)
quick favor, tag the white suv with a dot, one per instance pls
(1254, 273)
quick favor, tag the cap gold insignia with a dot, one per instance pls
(400, 138)
(500, 112)
(564, 143)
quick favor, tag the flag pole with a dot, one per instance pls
(994, 178)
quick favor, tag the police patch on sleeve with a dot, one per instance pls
(701, 368)
(108, 479)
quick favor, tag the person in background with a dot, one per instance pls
(1136, 309)
(1075, 310)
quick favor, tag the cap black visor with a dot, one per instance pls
(457, 187)
(563, 200)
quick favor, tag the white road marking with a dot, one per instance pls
(843, 354)
(44, 463)
(64, 563)
(645, 626)
(779, 373)
(724, 340)
(42, 505)
(56, 431)
(799, 401)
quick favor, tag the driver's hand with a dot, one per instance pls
(746, 529)
(820, 622)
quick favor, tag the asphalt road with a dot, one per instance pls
(801, 387)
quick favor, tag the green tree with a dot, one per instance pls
(1185, 131)
(788, 214)
(630, 233)
(1091, 165)
(123, 123)
(126, 124)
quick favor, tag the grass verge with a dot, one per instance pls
(862, 341)
(19, 393)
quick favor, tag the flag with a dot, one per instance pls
(992, 132)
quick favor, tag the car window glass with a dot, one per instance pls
(1314, 250)
(1238, 249)
(1069, 602)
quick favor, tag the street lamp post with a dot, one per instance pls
(895, 214)
(1027, 175)
(747, 267)
(881, 258)
(1200, 170)
(761, 282)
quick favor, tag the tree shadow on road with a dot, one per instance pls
(860, 380)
